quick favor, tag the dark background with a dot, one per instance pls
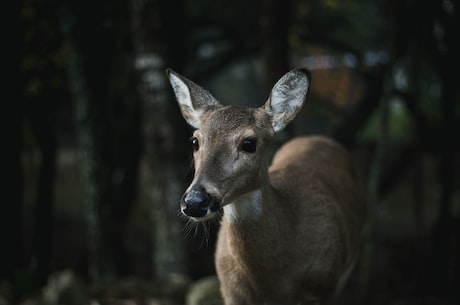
(96, 152)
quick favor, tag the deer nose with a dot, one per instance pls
(197, 203)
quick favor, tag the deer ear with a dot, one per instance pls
(287, 97)
(193, 100)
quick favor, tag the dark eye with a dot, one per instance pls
(195, 143)
(249, 145)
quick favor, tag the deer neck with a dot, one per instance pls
(253, 207)
(246, 208)
(252, 214)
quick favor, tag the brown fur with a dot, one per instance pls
(307, 236)
(289, 231)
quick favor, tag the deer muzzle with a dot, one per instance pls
(197, 204)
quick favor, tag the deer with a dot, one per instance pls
(290, 231)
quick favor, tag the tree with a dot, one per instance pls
(106, 117)
(275, 23)
(11, 207)
(157, 31)
(426, 45)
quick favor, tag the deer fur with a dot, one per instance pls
(289, 231)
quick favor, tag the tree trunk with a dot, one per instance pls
(95, 33)
(274, 28)
(162, 128)
(367, 261)
(274, 24)
(44, 208)
(12, 119)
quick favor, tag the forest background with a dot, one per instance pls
(96, 152)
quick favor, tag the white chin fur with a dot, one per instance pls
(246, 207)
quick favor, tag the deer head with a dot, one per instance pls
(230, 142)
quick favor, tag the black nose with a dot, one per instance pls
(196, 203)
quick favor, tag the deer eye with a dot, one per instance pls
(249, 145)
(195, 143)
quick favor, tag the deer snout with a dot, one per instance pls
(197, 203)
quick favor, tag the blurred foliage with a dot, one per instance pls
(401, 124)
(338, 24)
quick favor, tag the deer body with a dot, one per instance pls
(289, 231)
